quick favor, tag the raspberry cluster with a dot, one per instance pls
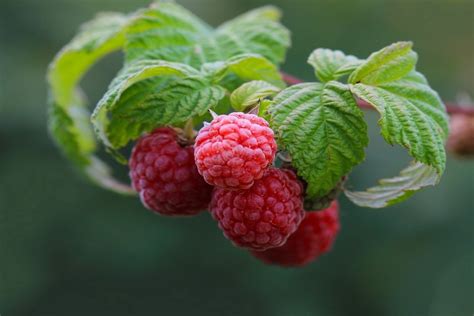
(229, 171)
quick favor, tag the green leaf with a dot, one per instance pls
(68, 116)
(151, 93)
(263, 109)
(412, 115)
(166, 32)
(332, 64)
(250, 94)
(172, 103)
(323, 130)
(222, 107)
(394, 190)
(242, 68)
(257, 31)
(95, 39)
(169, 32)
(61, 126)
(388, 64)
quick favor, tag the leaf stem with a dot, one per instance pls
(188, 130)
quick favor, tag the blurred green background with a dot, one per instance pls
(69, 248)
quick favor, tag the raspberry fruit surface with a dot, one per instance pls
(263, 216)
(165, 175)
(234, 150)
(314, 236)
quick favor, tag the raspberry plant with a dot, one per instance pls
(178, 70)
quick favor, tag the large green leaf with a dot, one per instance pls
(412, 115)
(120, 117)
(332, 64)
(394, 190)
(171, 102)
(68, 115)
(95, 39)
(169, 32)
(257, 31)
(323, 130)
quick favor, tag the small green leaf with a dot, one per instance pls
(388, 64)
(263, 109)
(394, 190)
(250, 94)
(151, 93)
(242, 68)
(68, 116)
(332, 64)
(412, 115)
(323, 130)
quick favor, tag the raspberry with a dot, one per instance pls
(314, 236)
(234, 150)
(461, 137)
(263, 216)
(165, 175)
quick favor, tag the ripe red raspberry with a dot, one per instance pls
(461, 136)
(314, 236)
(263, 216)
(165, 175)
(234, 150)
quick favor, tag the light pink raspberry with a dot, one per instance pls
(234, 150)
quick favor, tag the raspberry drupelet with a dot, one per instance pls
(314, 237)
(163, 172)
(263, 216)
(234, 150)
